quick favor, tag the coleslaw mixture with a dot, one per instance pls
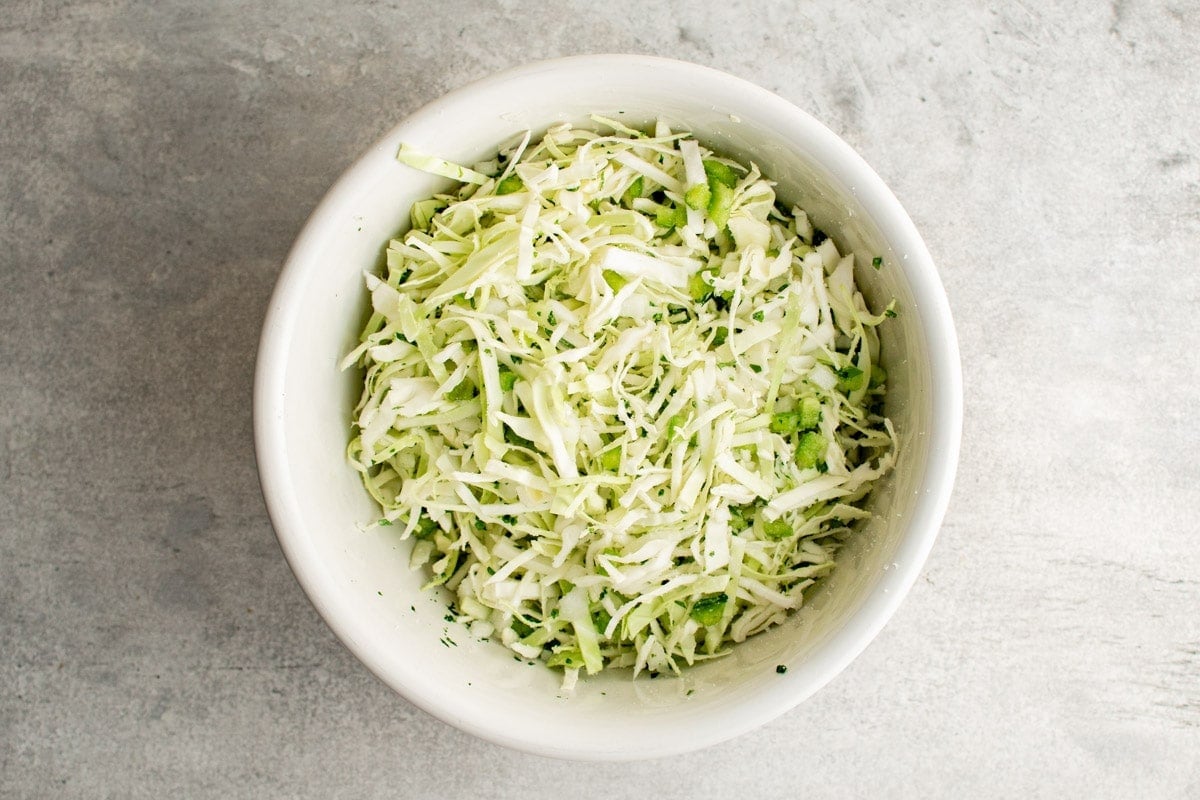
(626, 403)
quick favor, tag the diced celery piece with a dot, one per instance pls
(850, 379)
(720, 203)
(615, 280)
(510, 184)
(508, 378)
(708, 610)
(697, 197)
(777, 529)
(721, 173)
(811, 450)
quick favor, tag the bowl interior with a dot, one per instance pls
(360, 581)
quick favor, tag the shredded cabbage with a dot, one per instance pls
(626, 403)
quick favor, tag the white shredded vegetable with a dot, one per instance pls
(627, 403)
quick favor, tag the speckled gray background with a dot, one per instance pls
(157, 159)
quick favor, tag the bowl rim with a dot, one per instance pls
(944, 438)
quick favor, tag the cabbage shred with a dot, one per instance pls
(626, 402)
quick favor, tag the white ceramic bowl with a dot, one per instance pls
(360, 582)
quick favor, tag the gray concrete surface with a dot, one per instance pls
(157, 159)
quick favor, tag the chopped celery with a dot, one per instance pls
(508, 379)
(811, 450)
(634, 191)
(615, 280)
(785, 422)
(509, 185)
(721, 173)
(670, 217)
(810, 413)
(426, 528)
(697, 197)
(804, 418)
(569, 658)
(777, 529)
(720, 204)
(699, 287)
(850, 379)
(611, 459)
(708, 610)
(464, 391)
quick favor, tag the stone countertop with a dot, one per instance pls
(156, 161)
